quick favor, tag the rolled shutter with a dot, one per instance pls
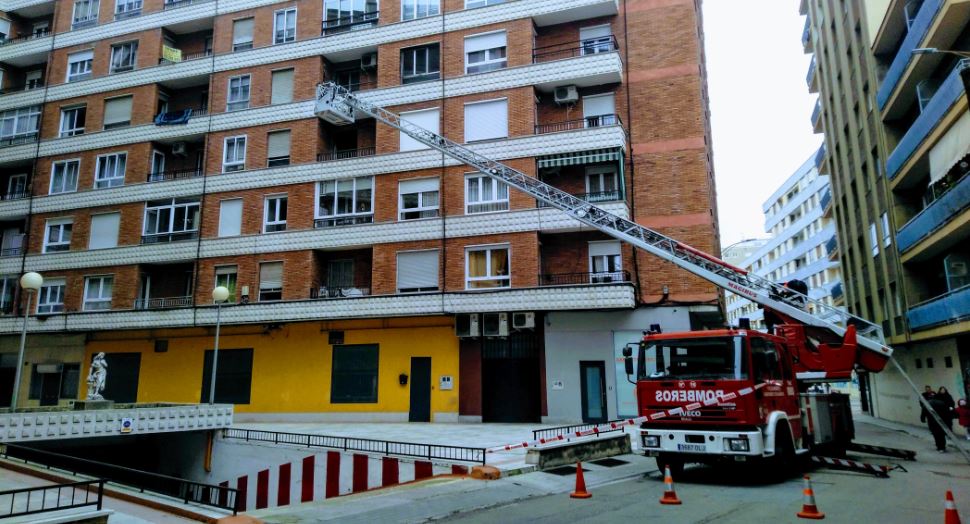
(104, 231)
(417, 270)
(117, 110)
(420, 185)
(242, 31)
(271, 275)
(597, 249)
(486, 120)
(230, 218)
(282, 91)
(598, 105)
(486, 41)
(589, 33)
(427, 119)
(278, 144)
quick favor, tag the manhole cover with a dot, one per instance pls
(609, 462)
(563, 470)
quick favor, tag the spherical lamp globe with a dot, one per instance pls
(31, 281)
(220, 294)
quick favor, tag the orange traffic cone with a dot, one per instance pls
(950, 515)
(670, 496)
(580, 492)
(809, 509)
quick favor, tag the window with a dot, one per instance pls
(427, 119)
(79, 65)
(19, 124)
(344, 15)
(270, 281)
(274, 214)
(242, 34)
(345, 202)
(605, 262)
(599, 110)
(284, 26)
(485, 52)
(230, 217)
(226, 276)
(127, 8)
(481, 3)
(348, 79)
(234, 376)
(171, 220)
(278, 148)
(104, 230)
(16, 187)
(238, 97)
(418, 198)
(873, 239)
(340, 274)
(57, 235)
(64, 176)
(417, 271)
(110, 170)
(85, 13)
(483, 194)
(486, 120)
(596, 39)
(123, 57)
(51, 296)
(72, 120)
(420, 63)
(354, 375)
(887, 238)
(411, 9)
(97, 293)
(601, 184)
(117, 112)
(234, 154)
(487, 267)
(282, 89)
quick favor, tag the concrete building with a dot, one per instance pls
(153, 150)
(738, 252)
(795, 219)
(896, 143)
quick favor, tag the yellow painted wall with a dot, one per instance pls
(292, 365)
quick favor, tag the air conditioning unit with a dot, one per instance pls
(566, 95)
(495, 324)
(467, 326)
(524, 320)
(178, 149)
(368, 61)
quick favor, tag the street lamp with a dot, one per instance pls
(30, 282)
(934, 50)
(220, 294)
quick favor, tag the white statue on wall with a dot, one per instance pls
(97, 376)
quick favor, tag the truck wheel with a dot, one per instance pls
(783, 464)
(675, 464)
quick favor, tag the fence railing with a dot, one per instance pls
(27, 138)
(575, 279)
(346, 153)
(16, 195)
(377, 447)
(339, 292)
(579, 123)
(169, 237)
(175, 174)
(590, 46)
(350, 22)
(599, 196)
(24, 38)
(35, 84)
(565, 431)
(162, 302)
(221, 497)
(43, 499)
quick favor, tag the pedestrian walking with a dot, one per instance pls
(927, 394)
(963, 416)
(939, 434)
(947, 400)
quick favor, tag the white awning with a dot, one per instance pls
(953, 146)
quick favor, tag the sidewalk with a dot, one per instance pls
(920, 432)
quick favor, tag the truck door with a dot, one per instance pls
(766, 367)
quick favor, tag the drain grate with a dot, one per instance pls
(609, 462)
(562, 471)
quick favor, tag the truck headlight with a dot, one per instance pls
(738, 444)
(651, 441)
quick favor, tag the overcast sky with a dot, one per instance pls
(760, 106)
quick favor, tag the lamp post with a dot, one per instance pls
(220, 294)
(964, 66)
(30, 282)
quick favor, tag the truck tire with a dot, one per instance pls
(675, 463)
(784, 464)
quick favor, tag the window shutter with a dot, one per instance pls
(419, 186)
(117, 110)
(483, 42)
(417, 269)
(428, 119)
(597, 249)
(230, 218)
(282, 91)
(242, 31)
(104, 231)
(598, 105)
(486, 120)
(271, 275)
(589, 33)
(278, 144)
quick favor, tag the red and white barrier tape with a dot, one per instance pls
(716, 400)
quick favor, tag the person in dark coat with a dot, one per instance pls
(927, 394)
(947, 399)
(939, 434)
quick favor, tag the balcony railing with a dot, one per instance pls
(940, 212)
(163, 302)
(831, 245)
(914, 38)
(339, 292)
(81, 23)
(593, 198)
(175, 174)
(24, 38)
(826, 199)
(182, 116)
(591, 46)
(352, 22)
(174, 4)
(582, 279)
(16, 195)
(13, 251)
(810, 77)
(817, 113)
(348, 220)
(579, 123)
(346, 153)
(34, 84)
(837, 291)
(28, 138)
(354, 87)
(807, 34)
(189, 56)
(169, 237)
(945, 309)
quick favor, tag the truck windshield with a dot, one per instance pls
(692, 358)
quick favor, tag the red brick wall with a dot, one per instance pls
(144, 103)
(136, 167)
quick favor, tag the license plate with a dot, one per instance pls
(692, 447)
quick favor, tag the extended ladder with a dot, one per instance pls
(339, 106)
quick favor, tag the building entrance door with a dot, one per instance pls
(592, 378)
(50, 388)
(511, 375)
(420, 390)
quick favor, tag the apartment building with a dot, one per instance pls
(152, 150)
(799, 245)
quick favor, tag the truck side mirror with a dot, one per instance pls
(628, 360)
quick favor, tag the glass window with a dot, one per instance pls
(70, 380)
(605, 262)
(602, 184)
(227, 276)
(481, 3)
(64, 176)
(484, 194)
(345, 202)
(85, 13)
(487, 267)
(234, 154)
(72, 120)
(127, 8)
(274, 214)
(79, 66)
(97, 293)
(110, 170)
(123, 56)
(596, 39)
(344, 15)
(355, 373)
(171, 220)
(485, 52)
(19, 124)
(57, 235)
(51, 296)
(411, 9)
(765, 360)
(238, 97)
(419, 198)
(284, 26)
(419, 64)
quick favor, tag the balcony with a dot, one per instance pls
(31, 36)
(938, 214)
(837, 291)
(324, 293)
(352, 22)
(811, 79)
(16, 195)
(914, 38)
(182, 116)
(579, 123)
(26, 138)
(606, 44)
(174, 4)
(346, 154)
(825, 200)
(34, 84)
(832, 246)
(593, 198)
(163, 302)
(807, 35)
(175, 174)
(817, 117)
(584, 279)
(169, 237)
(945, 309)
(820, 158)
(942, 103)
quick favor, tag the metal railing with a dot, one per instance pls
(162, 302)
(579, 123)
(35, 84)
(591, 46)
(377, 447)
(51, 498)
(24, 38)
(221, 497)
(346, 153)
(28, 138)
(12, 251)
(339, 292)
(580, 279)
(188, 56)
(16, 195)
(364, 85)
(599, 196)
(174, 174)
(351, 22)
(173, 4)
(169, 237)
(565, 431)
